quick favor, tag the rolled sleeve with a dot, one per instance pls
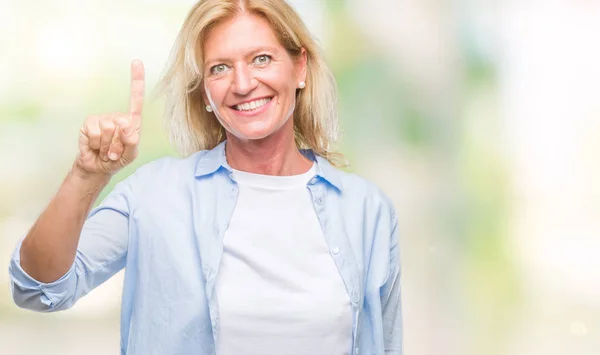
(29, 293)
(101, 253)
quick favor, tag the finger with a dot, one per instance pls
(136, 96)
(130, 139)
(84, 142)
(91, 129)
(116, 146)
(107, 128)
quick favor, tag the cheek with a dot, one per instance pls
(216, 91)
(278, 78)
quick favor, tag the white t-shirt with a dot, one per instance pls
(278, 289)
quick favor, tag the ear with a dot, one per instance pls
(301, 65)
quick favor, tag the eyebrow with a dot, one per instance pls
(211, 62)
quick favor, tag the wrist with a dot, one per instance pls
(96, 179)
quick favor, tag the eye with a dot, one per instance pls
(262, 59)
(218, 69)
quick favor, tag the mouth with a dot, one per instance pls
(253, 107)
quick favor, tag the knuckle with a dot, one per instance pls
(89, 125)
(106, 119)
(121, 121)
(93, 134)
(91, 118)
(107, 127)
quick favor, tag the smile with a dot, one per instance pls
(252, 105)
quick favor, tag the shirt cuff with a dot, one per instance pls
(32, 294)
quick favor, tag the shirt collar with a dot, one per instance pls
(214, 159)
(211, 161)
(324, 169)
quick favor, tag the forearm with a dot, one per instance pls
(48, 250)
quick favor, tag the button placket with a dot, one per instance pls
(318, 196)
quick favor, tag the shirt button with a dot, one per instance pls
(335, 250)
(356, 351)
(313, 181)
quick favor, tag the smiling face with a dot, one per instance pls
(250, 80)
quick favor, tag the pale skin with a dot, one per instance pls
(107, 143)
(260, 141)
(237, 70)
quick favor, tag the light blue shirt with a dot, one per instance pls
(165, 224)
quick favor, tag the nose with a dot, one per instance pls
(243, 80)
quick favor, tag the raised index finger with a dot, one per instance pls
(136, 97)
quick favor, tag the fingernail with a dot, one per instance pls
(113, 156)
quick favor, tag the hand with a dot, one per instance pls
(109, 142)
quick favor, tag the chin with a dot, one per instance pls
(252, 134)
(255, 133)
(260, 135)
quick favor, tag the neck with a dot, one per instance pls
(276, 154)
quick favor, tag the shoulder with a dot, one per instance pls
(369, 213)
(356, 188)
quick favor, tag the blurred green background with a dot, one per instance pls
(480, 119)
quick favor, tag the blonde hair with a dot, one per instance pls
(191, 128)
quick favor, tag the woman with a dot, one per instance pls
(252, 244)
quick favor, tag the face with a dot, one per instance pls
(250, 80)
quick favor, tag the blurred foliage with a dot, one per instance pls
(451, 138)
(23, 111)
(375, 104)
(378, 105)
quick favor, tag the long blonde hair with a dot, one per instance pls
(191, 128)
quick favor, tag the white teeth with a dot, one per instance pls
(248, 106)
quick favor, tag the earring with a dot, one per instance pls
(302, 85)
(208, 108)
